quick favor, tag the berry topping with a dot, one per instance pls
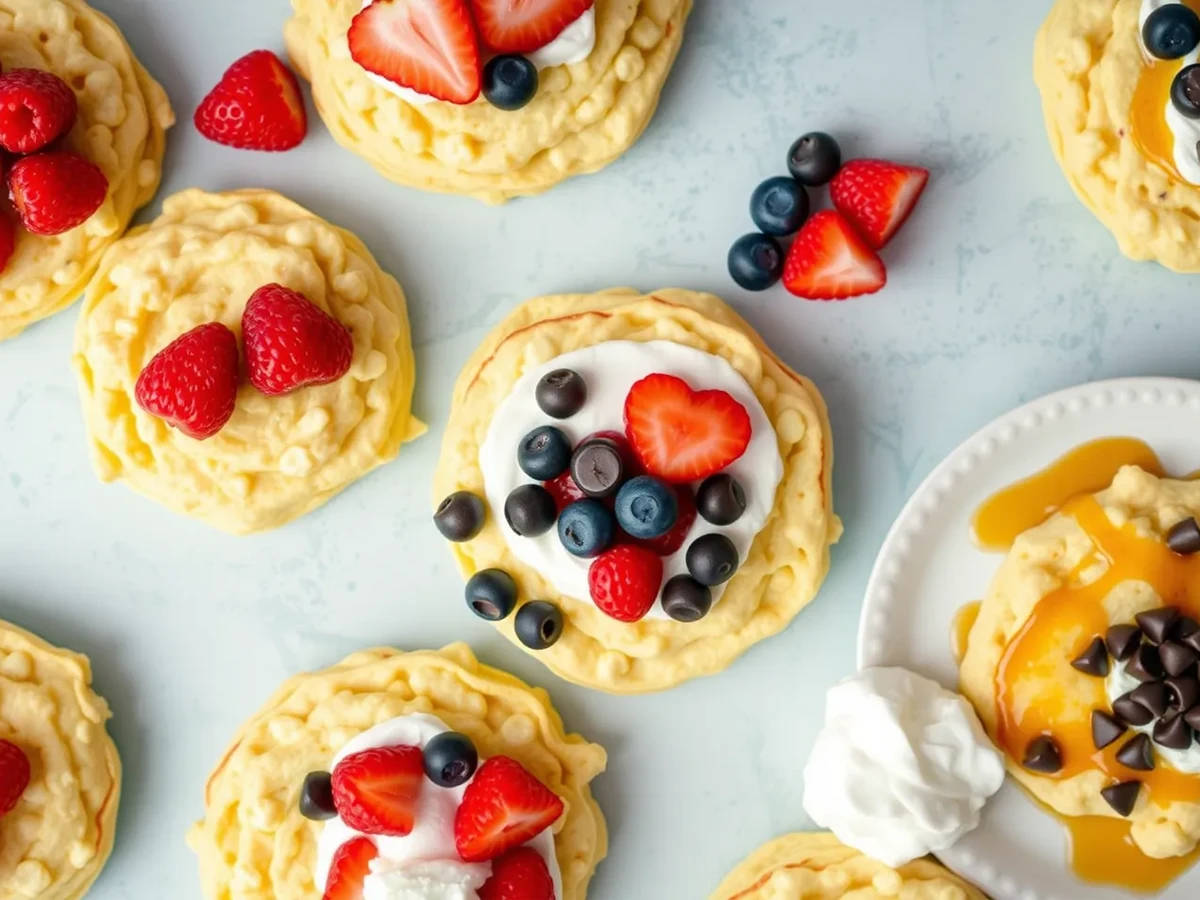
(14, 775)
(647, 507)
(530, 511)
(721, 500)
(685, 599)
(564, 490)
(316, 797)
(520, 874)
(539, 624)
(1171, 31)
(55, 192)
(257, 105)
(586, 528)
(428, 46)
(561, 393)
(502, 808)
(814, 159)
(779, 206)
(292, 343)
(192, 382)
(36, 109)
(491, 594)
(510, 82)
(544, 453)
(450, 759)
(349, 868)
(675, 538)
(508, 27)
(624, 582)
(460, 516)
(598, 467)
(8, 240)
(712, 559)
(1185, 92)
(829, 261)
(683, 435)
(376, 791)
(756, 261)
(877, 197)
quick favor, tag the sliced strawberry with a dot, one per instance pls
(830, 261)
(683, 435)
(519, 874)
(428, 46)
(376, 791)
(503, 807)
(522, 26)
(672, 541)
(349, 868)
(877, 197)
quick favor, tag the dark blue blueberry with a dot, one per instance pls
(530, 510)
(491, 594)
(450, 759)
(1171, 31)
(712, 559)
(756, 261)
(685, 599)
(509, 82)
(721, 499)
(586, 528)
(316, 797)
(779, 206)
(561, 393)
(1185, 92)
(539, 624)
(460, 516)
(544, 453)
(814, 159)
(647, 507)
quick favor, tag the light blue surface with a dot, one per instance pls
(1002, 288)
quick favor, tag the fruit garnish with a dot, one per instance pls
(508, 27)
(292, 343)
(683, 435)
(877, 196)
(428, 46)
(55, 192)
(36, 109)
(376, 791)
(349, 868)
(8, 240)
(673, 540)
(14, 775)
(830, 261)
(519, 874)
(564, 490)
(192, 382)
(814, 159)
(510, 81)
(257, 105)
(624, 582)
(755, 261)
(503, 807)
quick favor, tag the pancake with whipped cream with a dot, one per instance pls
(679, 509)
(402, 774)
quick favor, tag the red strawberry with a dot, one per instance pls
(426, 45)
(377, 791)
(55, 192)
(8, 240)
(829, 261)
(14, 775)
(350, 866)
(877, 196)
(673, 540)
(519, 874)
(624, 581)
(523, 26)
(290, 343)
(503, 807)
(192, 382)
(683, 435)
(257, 105)
(36, 109)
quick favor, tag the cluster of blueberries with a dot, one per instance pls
(1172, 32)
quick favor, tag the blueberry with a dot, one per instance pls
(539, 624)
(561, 393)
(491, 594)
(1171, 31)
(460, 516)
(647, 507)
(721, 500)
(756, 261)
(814, 159)
(450, 759)
(530, 510)
(685, 599)
(712, 559)
(1185, 91)
(544, 453)
(779, 206)
(316, 797)
(509, 82)
(586, 528)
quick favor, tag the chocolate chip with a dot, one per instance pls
(1122, 797)
(1137, 754)
(1177, 658)
(1042, 755)
(1122, 641)
(1156, 623)
(1185, 627)
(1172, 731)
(1131, 712)
(1192, 717)
(1191, 640)
(1145, 664)
(1154, 697)
(1094, 660)
(597, 467)
(1184, 537)
(1185, 693)
(1105, 728)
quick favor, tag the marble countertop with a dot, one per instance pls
(1002, 288)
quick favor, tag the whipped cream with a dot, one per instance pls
(610, 370)
(902, 767)
(425, 864)
(1121, 682)
(574, 43)
(1185, 131)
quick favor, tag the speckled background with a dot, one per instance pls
(1002, 288)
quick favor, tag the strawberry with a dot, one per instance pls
(55, 192)
(877, 196)
(428, 46)
(257, 105)
(291, 343)
(14, 775)
(683, 435)
(519, 874)
(377, 791)
(523, 26)
(624, 581)
(36, 109)
(192, 382)
(829, 261)
(349, 868)
(8, 240)
(673, 540)
(503, 807)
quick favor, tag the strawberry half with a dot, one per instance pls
(682, 435)
(877, 197)
(349, 868)
(519, 874)
(257, 105)
(376, 791)
(830, 261)
(522, 26)
(428, 46)
(503, 807)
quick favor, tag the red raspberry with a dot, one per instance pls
(291, 343)
(55, 192)
(36, 109)
(8, 240)
(192, 382)
(14, 775)
(625, 580)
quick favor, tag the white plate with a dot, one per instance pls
(929, 567)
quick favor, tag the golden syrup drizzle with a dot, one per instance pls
(1148, 112)
(1102, 852)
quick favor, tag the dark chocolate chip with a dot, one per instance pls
(1177, 658)
(1042, 755)
(1145, 664)
(1185, 693)
(1137, 754)
(1191, 640)
(1184, 537)
(1172, 731)
(1192, 717)
(1122, 641)
(1122, 797)
(1094, 660)
(316, 797)
(1156, 623)
(597, 467)
(1185, 627)
(1131, 712)
(1105, 728)
(1154, 697)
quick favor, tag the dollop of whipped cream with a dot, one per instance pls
(425, 864)
(902, 767)
(1120, 682)
(1185, 131)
